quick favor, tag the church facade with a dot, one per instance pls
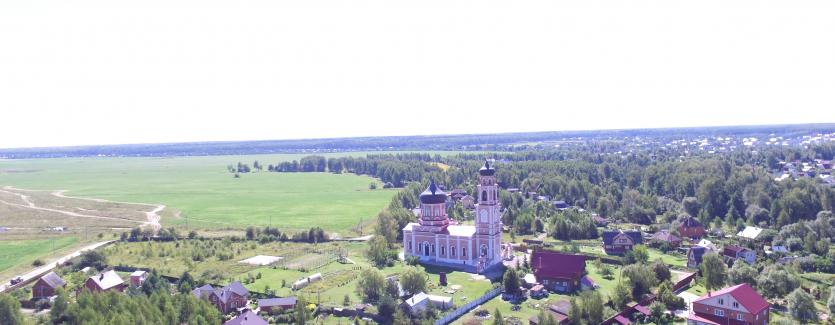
(435, 241)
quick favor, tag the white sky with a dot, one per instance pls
(102, 72)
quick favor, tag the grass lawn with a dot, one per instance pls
(23, 252)
(200, 192)
(607, 286)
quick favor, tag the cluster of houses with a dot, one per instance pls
(231, 298)
(793, 170)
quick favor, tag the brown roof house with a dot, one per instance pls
(559, 272)
(691, 227)
(46, 286)
(665, 236)
(272, 304)
(105, 281)
(226, 299)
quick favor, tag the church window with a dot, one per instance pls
(443, 251)
(452, 251)
(483, 196)
(464, 252)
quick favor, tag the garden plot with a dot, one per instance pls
(261, 260)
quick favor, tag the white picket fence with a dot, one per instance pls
(449, 318)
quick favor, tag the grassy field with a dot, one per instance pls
(200, 192)
(15, 253)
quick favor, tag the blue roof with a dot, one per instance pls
(609, 235)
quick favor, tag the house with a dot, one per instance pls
(737, 305)
(105, 281)
(750, 233)
(559, 272)
(707, 244)
(137, 278)
(599, 221)
(46, 286)
(776, 249)
(618, 241)
(733, 252)
(529, 281)
(538, 291)
(691, 227)
(664, 236)
(226, 299)
(457, 194)
(420, 301)
(468, 202)
(561, 205)
(247, 318)
(558, 310)
(694, 256)
(269, 305)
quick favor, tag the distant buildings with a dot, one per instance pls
(664, 236)
(750, 233)
(420, 301)
(736, 305)
(617, 242)
(558, 272)
(137, 278)
(694, 256)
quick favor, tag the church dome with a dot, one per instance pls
(432, 195)
(486, 170)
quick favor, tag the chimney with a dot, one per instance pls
(101, 276)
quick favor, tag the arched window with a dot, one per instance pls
(410, 246)
(483, 196)
(464, 252)
(452, 251)
(483, 250)
(443, 250)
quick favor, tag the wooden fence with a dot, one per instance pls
(453, 315)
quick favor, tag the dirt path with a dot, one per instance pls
(153, 216)
(39, 271)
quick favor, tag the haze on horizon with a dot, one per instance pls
(101, 72)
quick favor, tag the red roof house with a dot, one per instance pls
(691, 228)
(558, 271)
(737, 305)
(46, 286)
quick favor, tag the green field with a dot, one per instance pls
(17, 252)
(200, 192)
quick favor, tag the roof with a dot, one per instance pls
(698, 252)
(286, 301)
(432, 194)
(587, 281)
(701, 319)
(440, 299)
(643, 310)
(461, 231)
(416, 299)
(237, 288)
(744, 294)
(222, 293)
(107, 280)
(750, 232)
(247, 318)
(733, 250)
(529, 278)
(561, 307)
(487, 170)
(138, 273)
(53, 280)
(690, 222)
(622, 320)
(665, 235)
(610, 235)
(551, 264)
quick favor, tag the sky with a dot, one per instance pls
(108, 72)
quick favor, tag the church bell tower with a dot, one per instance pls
(488, 215)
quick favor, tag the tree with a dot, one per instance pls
(498, 319)
(662, 271)
(639, 254)
(621, 296)
(775, 281)
(831, 302)
(575, 314)
(714, 271)
(801, 306)
(60, 305)
(641, 277)
(592, 306)
(370, 285)
(691, 206)
(186, 283)
(413, 281)
(300, 312)
(378, 251)
(742, 273)
(10, 310)
(93, 259)
(511, 281)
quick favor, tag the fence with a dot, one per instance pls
(467, 307)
